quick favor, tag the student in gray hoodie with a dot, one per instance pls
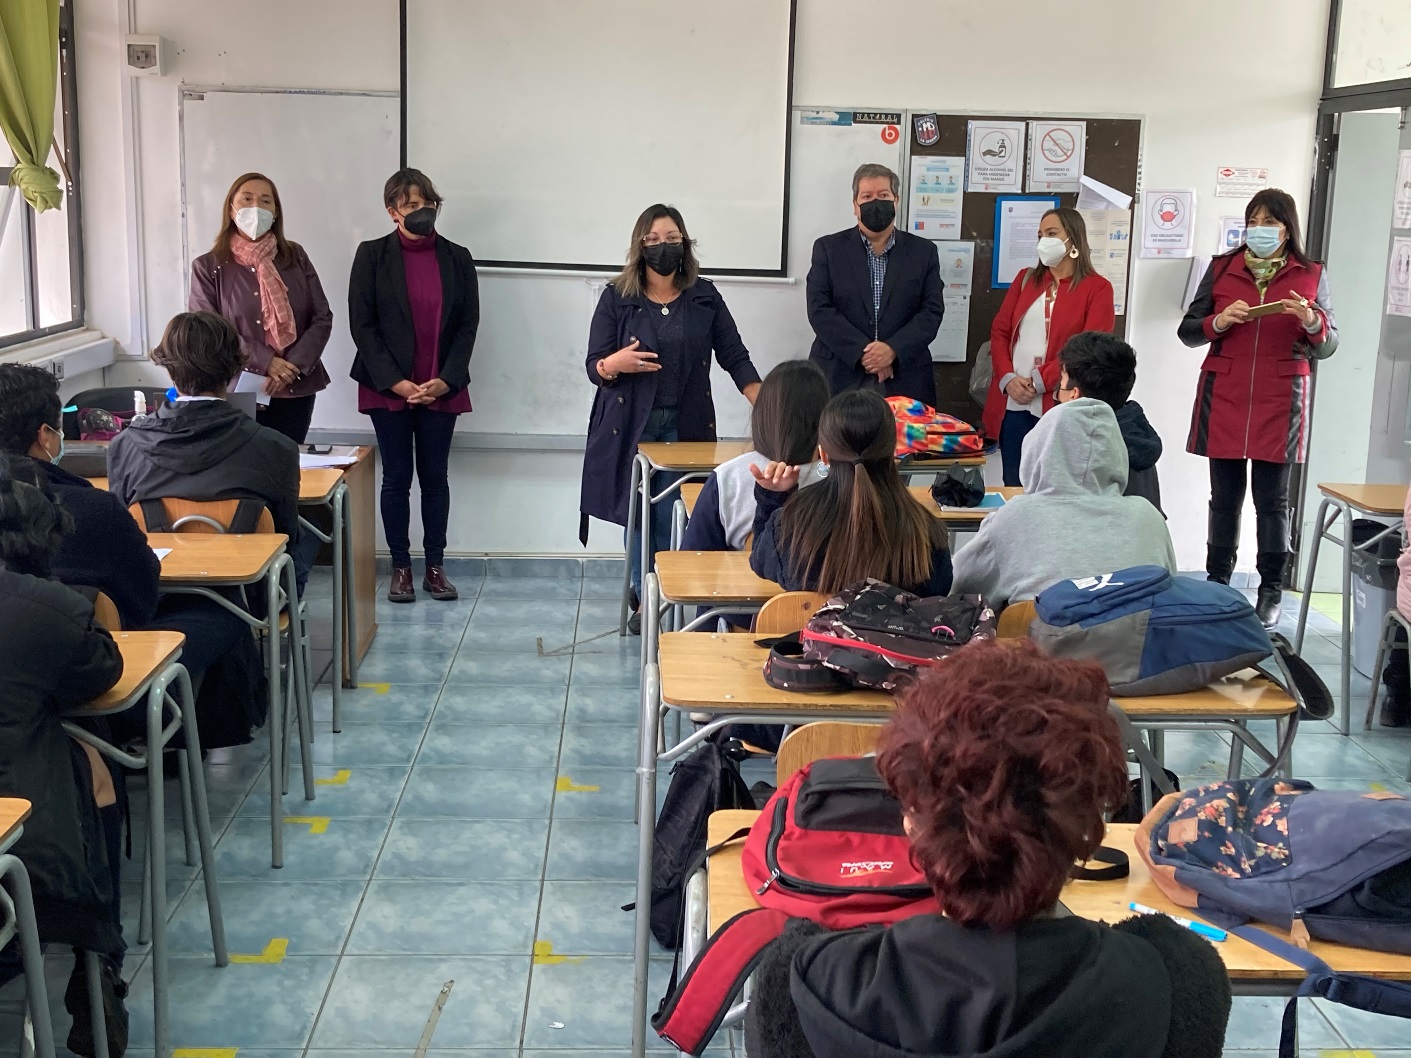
(1072, 520)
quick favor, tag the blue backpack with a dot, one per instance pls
(1153, 633)
(1323, 864)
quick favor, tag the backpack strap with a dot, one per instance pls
(1119, 866)
(1351, 990)
(154, 513)
(691, 1013)
(247, 516)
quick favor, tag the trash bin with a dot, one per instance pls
(1373, 590)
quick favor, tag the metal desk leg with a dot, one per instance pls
(302, 695)
(187, 702)
(1345, 688)
(341, 639)
(276, 717)
(157, 857)
(646, 802)
(627, 547)
(12, 870)
(1321, 525)
(350, 589)
(644, 533)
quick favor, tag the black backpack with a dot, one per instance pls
(703, 782)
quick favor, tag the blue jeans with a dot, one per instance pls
(661, 426)
(1012, 431)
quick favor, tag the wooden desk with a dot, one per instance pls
(728, 895)
(712, 578)
(13, 812)
(316, 484)
(1345, 503)
(1248, 694)
(99, 483)
(689, 495)
(688, 456)
(209, 559)
(969, 516)
(145, 655)
(723, 673)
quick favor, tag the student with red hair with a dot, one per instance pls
(1005, 761)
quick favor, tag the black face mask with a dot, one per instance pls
(878, 214)
(664, 258)
(420, 221)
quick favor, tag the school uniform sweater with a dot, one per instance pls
(724, 514)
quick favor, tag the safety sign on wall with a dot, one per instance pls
(1056, 150)
(1168, 218)
(995, 157)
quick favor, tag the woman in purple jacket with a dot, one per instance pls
(267, 288)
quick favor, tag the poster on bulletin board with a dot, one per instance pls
(1017, 235)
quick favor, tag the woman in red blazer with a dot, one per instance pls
(1046, 305)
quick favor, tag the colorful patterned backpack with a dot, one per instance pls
(922, 430)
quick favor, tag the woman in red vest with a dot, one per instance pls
(1046, 305)
(1251, 405)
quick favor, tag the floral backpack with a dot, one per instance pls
(922, 430)
(1326, 865)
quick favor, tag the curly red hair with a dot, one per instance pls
(1005, 760)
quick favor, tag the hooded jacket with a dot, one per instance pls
(1143, 450)
(929, 988)
(1072, 520)
(207, 450)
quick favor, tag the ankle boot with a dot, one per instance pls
(401, 589)
(1270, 599)
(436, 583)
(1219, 563)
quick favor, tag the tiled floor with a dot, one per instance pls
(478, 809)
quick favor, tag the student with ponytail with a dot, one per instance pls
(859, 522)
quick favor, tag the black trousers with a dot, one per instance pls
(1270, 485)
(289, 415)
(415, 439)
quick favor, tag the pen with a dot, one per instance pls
(1208, 932)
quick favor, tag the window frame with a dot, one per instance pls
(69, 175)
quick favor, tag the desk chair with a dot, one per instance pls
(175, 515)
(105, 612)
(826, 738)
(1387, 643)
(789, 612)
(1014, 620)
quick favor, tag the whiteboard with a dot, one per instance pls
(329, 153)
(549, 125)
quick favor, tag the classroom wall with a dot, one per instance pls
(1202, 108)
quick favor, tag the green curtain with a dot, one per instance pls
(29, 77)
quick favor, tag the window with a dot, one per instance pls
(1373, 42)
(41, 254)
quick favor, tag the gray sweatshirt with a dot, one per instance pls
(1072, 520)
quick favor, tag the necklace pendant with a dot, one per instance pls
(665, 311)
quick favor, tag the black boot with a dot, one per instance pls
(1269, 601)
(1396, 686)
(114, 989)
(1219, 563)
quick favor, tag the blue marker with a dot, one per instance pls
(1200, 928)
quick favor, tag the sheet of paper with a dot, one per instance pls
(1110, 238)
(995, 157)
(1056, 150)
(1094, 194)
(1017, 235)
(313, 462)
(1237, 181)
(992, 502)
(957, 267)
(1401, 204)
(1231, 233)
(950, 344)
(937, 195)
(1399, 277)
(249, 382)
(1167, 221)
(161, 552)
(1199, 266)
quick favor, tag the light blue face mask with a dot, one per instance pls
(1264, 240)
(55, 460)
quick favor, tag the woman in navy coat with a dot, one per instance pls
(649, 351)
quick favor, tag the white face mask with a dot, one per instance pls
(1051, 251)
(253, 222)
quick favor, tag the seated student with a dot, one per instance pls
(53, 658)
(203, 448)
(1004, 761)
(1072, 520)
(783, 429)
(107, 551)
(1396, 676)
(858, 522)
(1104, 367)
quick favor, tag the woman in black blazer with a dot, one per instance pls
(413, 308)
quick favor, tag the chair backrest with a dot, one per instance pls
(829, 738)
(201, 516)
(788, 612)
(1014, 620)
(105, 611)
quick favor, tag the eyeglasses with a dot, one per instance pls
(674, 239)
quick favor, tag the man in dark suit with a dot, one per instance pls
(875, 297)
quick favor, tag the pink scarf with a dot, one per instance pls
(278, 318)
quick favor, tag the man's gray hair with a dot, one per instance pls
(872, 169)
